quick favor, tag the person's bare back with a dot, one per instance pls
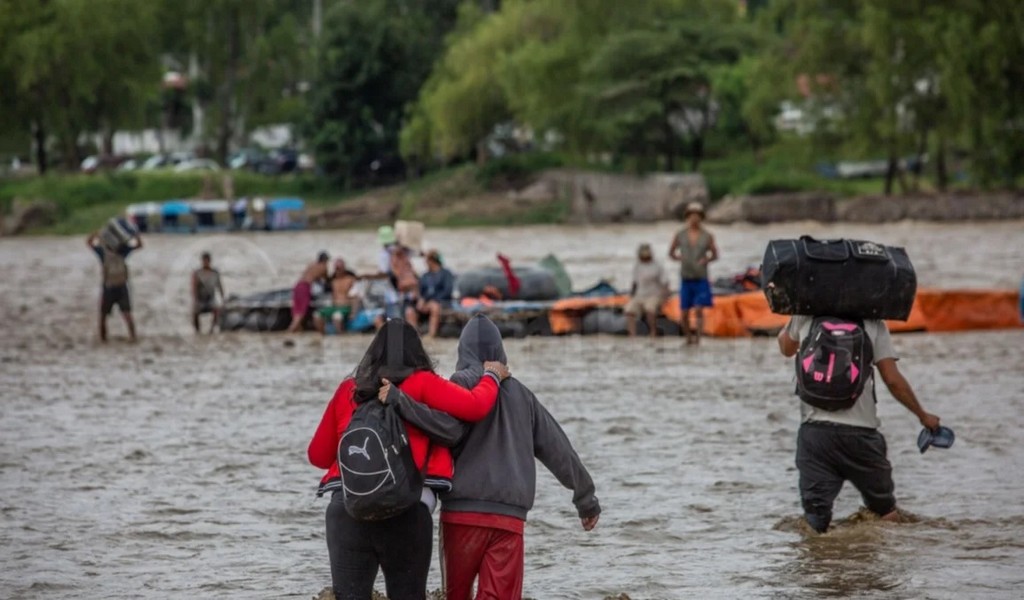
(315, 271)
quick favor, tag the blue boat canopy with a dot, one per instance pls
(175, 207)
(286, 204)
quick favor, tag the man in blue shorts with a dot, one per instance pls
(693, 247)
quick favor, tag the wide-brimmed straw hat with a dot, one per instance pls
(693, 207)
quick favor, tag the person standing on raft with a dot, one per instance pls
(694, 248)
(302, 293)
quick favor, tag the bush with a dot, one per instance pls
(778, 183)
(516, 170)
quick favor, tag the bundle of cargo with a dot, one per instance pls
(854, 279)
(117, 234)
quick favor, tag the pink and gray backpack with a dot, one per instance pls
(834, 361)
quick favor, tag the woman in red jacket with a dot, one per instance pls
(400, 546)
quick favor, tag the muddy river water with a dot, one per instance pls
(175, 467)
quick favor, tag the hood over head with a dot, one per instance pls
(480, 342)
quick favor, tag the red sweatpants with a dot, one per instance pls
(492, 556)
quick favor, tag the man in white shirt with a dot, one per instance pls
(845, 445)
(647, 293)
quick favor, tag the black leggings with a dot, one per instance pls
(400, 546)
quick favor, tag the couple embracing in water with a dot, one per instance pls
(481, 463)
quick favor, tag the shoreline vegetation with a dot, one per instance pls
(523, 189)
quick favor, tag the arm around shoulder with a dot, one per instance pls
(468, 405)
(440, 427)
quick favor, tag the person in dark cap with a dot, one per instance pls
(302, 293)
(694, 248)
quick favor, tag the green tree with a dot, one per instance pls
(463, 99)
(373, 60)
(652, 87)
(899, 77)
(77, 66)
(603, 74)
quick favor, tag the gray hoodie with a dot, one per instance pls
(495, 470)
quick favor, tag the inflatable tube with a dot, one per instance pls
(539, 326)
(537, 284)
(606, 321)
(276, 320)
(252, 322)
(511, 329)
(610, 321)
(232, 321)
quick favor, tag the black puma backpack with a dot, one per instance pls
(834, 361)
(378, 474)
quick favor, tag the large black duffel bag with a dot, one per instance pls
(841, 278)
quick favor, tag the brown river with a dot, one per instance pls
(175, 468)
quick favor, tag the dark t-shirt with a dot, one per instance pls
(438, 285)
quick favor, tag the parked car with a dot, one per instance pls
(277, 161)
(196, 164)
(94, 163)
(164, 161)
(129, 165)
(90, 164)
(157, 161)
(247, 158)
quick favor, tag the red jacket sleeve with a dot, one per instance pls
(440, 394)
(323, 448)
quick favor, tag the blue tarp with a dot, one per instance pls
(286, 204)
(174, 207)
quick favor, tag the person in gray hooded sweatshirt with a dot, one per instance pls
(482, 517)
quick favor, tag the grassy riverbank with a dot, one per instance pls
(458, 196)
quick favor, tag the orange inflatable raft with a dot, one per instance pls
(746, 314)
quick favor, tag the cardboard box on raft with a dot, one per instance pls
(747, 314)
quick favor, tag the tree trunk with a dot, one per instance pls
(941, 174)
(228, 93)
(697, 152)
(670, 145)
(922, 147)
(39, 132)
(890, 174)
(108, 141)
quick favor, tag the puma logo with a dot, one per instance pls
(357, 450)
